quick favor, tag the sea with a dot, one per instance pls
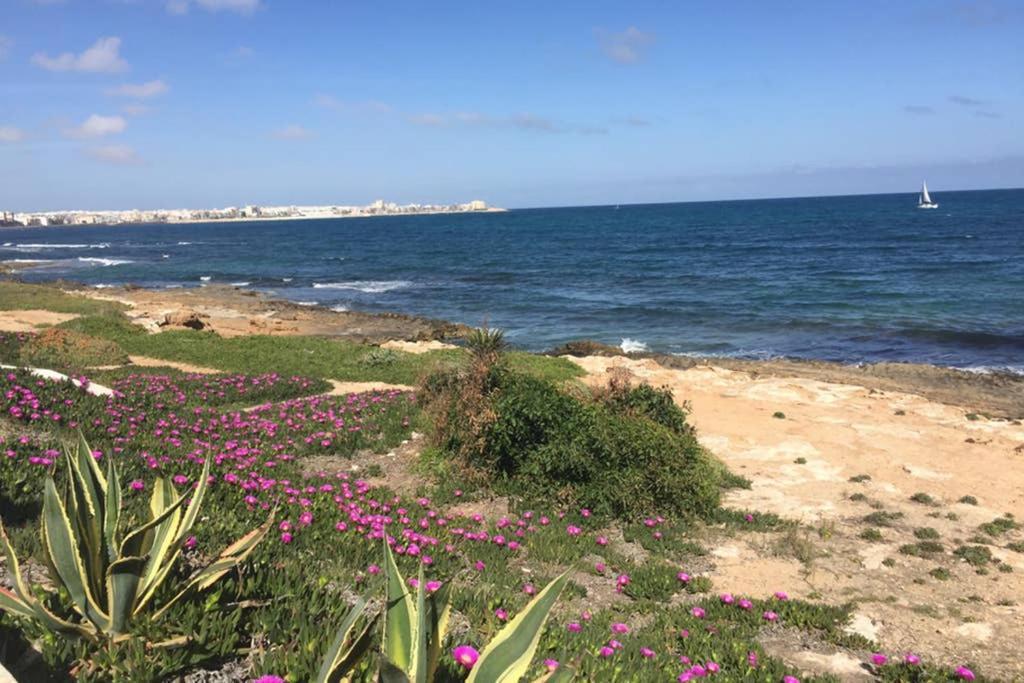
(851, 279)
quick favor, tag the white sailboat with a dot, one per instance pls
(924, 201)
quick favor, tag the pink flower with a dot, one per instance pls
(138, 485)
(599, 567)
(286, 537)
(479, 566)
(269, 678)
(698, 612)
(712, 667)
(770, 616)
(878, 659)
(683, 577)
(646, 652)
(465, 656)
(620, 628)
(964, 674)
(433, 586)
(373, 569)
(501, 614)
(190, 543)
(606, 651)
(684, 677)
(752, 659)
(745, 604)
(790, 679)
(601, 540)
(529, 589)
(726, 598)
(912, 659)
(574, 627)
(551, 664)
(585, 615)
(781, 595)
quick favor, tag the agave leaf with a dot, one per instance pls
(157, 546)
(14, 569)
(63, 548)
(507, 656)
(123, 578)
(399, 613)
(139, 541)
(418, 660)
(440, 614)
(192, 511)
(11, 603)
(112, 510)
(230, 557)
(348, 646)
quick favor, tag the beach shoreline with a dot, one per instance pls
(233, 311)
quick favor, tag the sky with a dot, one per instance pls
(116, 104)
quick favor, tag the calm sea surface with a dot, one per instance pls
(844, 278)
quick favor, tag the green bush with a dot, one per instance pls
(66, 349)
(541, 444)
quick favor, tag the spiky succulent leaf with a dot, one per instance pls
(399, 613)
(63, 550)
(123, 578)
(418, 659)
(349, 646)
(440, 610)
(507, 656)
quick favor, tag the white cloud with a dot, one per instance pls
(122, 155)
(626, 47)
(140, 90)
(5, 45)
(11, 134)
(292, 132)
(239, 6)
(97, 126)
(103, 56)
(523, 121)
(334, 104)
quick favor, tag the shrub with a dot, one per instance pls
(974, 555)
(66, 349)
(923, 499)
(882, 518)
(657, 405)
(926, 533)
(968, 500)
(872, 534)
(378, 357)
(999, 526)
(922, 549)
(542, 444)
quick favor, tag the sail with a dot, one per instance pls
(925, 199)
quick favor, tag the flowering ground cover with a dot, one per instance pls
(639, 605)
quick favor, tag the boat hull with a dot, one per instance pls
(931, 205)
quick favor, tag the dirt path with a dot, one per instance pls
(801, 463)
(147, 362)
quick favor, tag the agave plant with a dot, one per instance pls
(112, 579)
(349, 646)
(415, 629)
(486, 343)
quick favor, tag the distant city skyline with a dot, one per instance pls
(114, 104)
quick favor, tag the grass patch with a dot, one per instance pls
(923, 499)
(968, 500)
(19, 296)
(882, 518)
(922, 549)
(974, 555)
(872, 534)
(999, 525)
(860, 478)
(926, 533)
(62, 349)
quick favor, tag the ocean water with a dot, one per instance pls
(849, 279)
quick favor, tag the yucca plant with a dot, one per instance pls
(415, 629)
(113, 578)
(486, 343)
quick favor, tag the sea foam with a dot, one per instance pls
(366, 286)
(105, 262)
(632, 346)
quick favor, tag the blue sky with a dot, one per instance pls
(171, 103)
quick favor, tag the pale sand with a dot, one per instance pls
(31, 320)
(843, 430)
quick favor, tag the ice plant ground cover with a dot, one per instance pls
(638, 606)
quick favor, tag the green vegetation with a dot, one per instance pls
(968, 500)
(923, 499)
(922, 549)
(871, 534)
(860, 478)
(17, 296)
(974, 555)
(779, 415)
(61, 349)
(1000, 525)
(940, 573)
(926, 534)
(882, 518)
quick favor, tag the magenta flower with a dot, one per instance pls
(683, 577)
(752, 659)
(269, 678)
(712, 667)
(602, 540)
(501, 614)
(599, 567)
(137, 485)
(551, 664)
(781, 595)
(620, 628)
(574, 627)
(879, 659)
(770, 616)
(745, 604)
(790, 679)
(529, 589)
(286, 537)
(646, 652)
(373, 569)
(726, 598)
(433, 586)
(190, 543)
(684, 677)
(912, 659)
(465, 656)
(964, 674)
(606, 651)
(698, 612)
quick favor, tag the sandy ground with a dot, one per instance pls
(233, 312)
(800, 466)
(31, 320)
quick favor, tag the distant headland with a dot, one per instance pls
(233, 213)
